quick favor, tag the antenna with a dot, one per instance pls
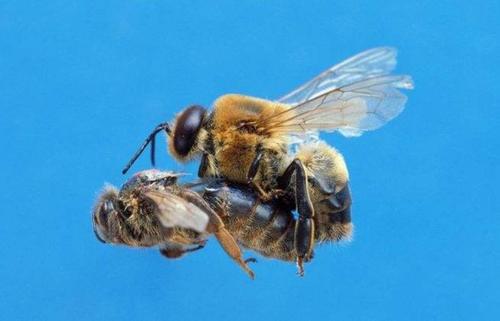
(150, 139)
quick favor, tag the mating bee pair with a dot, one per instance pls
(152, 209)
(247, 141)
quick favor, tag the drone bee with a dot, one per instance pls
(152, 209)
(247, 140)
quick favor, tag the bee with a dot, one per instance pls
(153, 209)
(270, 227)
(248, 140)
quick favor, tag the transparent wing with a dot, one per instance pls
(174, 211)
(370, 63)
(354, 96)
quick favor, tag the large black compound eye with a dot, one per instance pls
(186, 129)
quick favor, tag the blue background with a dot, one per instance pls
(82, 83)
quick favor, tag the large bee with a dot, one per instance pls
(151, 209)
(247, 140)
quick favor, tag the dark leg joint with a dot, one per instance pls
(177, 252)
(203, 166)
(304, 226)
(304, 234)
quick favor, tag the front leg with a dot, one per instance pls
(304, 226)
(216, 226)
(202, 170)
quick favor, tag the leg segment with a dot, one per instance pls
(203, 166)
(252, 172)
(174, 251)
(304, 226)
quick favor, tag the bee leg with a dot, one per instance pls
(251, 260)
(216, 226)
(233, 250)
(304, 226)
(174, 251)
(252, 172)
(203, 166)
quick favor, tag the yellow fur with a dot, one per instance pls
(235, 144)
(235, 149)
(235, 158)
(320, 159)
(326, 163)
(231, 109)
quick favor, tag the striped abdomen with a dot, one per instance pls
(268, 228)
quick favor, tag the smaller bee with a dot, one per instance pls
(152, 210)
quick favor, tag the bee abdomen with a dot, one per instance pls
(334, 223)
(267, 228)
(280, 241)
(275, 232)
(256, 232)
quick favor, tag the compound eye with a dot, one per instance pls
(186, 129)
(101, 220)
(106, 209)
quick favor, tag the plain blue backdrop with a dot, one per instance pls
(83, 82)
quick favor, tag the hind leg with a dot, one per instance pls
(329, 190)
(304, 226)
(216, 226)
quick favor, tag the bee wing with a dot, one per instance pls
(354, 96)
(174, 211)
(369, 63)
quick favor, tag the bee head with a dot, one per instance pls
(185, 133)
(105, 216)
(182, 138)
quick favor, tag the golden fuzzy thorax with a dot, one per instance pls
(235, 147)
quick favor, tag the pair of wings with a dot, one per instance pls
(356, 95)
